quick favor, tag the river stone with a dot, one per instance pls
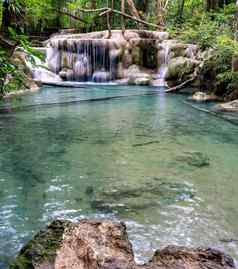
(66, 74)
(203, 97)
(137, 77)
(103, 244)
(142, 81)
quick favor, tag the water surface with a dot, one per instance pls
(167, 170)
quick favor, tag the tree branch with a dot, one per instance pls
(71, 15)
(134, 19)
(180, 86)
(105, 11)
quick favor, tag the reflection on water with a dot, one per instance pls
(166, 169)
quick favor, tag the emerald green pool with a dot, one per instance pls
(169, 171)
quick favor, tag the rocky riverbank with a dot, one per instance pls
(96, 244)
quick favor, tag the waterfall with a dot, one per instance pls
(83, 59)
(53, 59)
(39, 69)
(163, 58)
(92, 57)
(82, 69)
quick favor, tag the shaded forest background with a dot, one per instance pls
(207, 23)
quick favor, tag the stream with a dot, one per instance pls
(169, 171)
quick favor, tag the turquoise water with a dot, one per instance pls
(167, 170)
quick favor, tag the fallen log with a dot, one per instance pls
(180, 86)
(213, 113)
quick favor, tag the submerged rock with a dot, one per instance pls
(120, 198)
(95, 244)
(228, 107)
(66, 74)
(196, 159)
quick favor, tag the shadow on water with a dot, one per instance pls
(7, 108)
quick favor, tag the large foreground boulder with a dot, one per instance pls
(92, 244)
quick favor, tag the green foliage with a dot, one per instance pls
(189, 20)
(225, 48)
(203, 34)
(210, 30)
(228, 78)
(10, 77)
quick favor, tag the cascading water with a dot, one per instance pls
(39, 69)
(93, 57)
(164, 57)
(83, 59)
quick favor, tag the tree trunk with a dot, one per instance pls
(214, 4)
(133, 9)
(236, 22)
(109, 27)
(123, 27)
(235, 57)
(160, 12)
(181, 9)
(6, 20)
(143, 5)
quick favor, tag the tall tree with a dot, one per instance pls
(161, 7)
(214, 4)
(5, 15)
(180, 9)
